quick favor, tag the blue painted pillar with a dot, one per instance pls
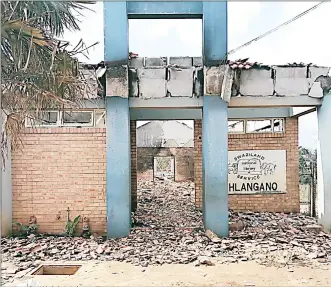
(215, 29)
(118, 184)
(324, 163)
(118, 179)
(214, 126)
(215, 164)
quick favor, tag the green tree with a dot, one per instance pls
(38, 71)
(307, 158)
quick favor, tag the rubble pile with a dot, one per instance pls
(172, 233)
(165, 203)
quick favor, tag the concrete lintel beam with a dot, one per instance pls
(273, 101)
(254, 113)
(181, 103)
(164, 9)
(165, 114)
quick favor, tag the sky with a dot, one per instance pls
(304, 40)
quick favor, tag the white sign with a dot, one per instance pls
(257, 171)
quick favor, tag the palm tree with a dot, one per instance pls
(38, 71)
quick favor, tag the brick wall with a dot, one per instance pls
(133, 126)
(288, 202)
(59, 168)
(198, 162)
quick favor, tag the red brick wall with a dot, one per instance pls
(59, 168)
(198, 162)
(288, 202)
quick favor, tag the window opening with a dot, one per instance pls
(236, 126)
(74, 118)
(258, 126)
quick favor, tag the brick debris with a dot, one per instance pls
(167, 229)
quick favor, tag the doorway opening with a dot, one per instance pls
(164, 167)
(166, 187)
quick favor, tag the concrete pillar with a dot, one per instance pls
(214, 31)
(118, 185)
(215, 165)
(6, 196)
(214, 124)
(324, 163)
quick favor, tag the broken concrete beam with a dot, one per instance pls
(212, 236)
(133, 83)
(152, 83)
(213, 80)
(180, 83)
(155, 62)
(227, 84)
(181, 61)
(316, 90)
(325, 82)
(315, 72)
(136, 62)
(291, 81)
(198, 82)
(117, 81)
(256, 82)
(218, 81)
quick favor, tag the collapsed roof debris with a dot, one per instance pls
(173, 233)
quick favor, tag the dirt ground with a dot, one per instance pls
(241, 274)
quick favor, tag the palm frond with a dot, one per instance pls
(38, 71)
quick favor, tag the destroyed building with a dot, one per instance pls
(83, 162)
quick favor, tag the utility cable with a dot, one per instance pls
(275, 29)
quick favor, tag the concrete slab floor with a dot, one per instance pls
(241, 274)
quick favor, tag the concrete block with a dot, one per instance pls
(316, 90)
(180, 82)
(117, 82)
(291, 87)
(315, 72)
(218, 81)
(291, 81)
(133, 83)
(198, 82)
(227, 84)
(181, 61)
(155, 62)
(213, 80)
(136, 62)
(256, 82)
(197, 61)
(152, 83)
(291, 72)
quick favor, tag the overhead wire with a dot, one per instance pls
(276, 28)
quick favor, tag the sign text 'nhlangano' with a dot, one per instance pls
(257, 171)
